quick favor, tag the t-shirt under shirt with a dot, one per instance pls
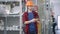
(31, 25)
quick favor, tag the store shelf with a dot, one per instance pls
(9, 32)
(9, 15)
(10, 21)
(10, 29)
(13, 15)
(11, 18)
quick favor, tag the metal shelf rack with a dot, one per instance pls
(12, 21)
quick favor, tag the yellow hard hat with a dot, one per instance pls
(29, 3)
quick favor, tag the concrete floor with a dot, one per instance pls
(57, 31)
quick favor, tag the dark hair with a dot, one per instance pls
(53, 18)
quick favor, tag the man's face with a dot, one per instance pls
(30, 7)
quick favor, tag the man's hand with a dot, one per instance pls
(27, 22)
(33, 20)
(36, 19)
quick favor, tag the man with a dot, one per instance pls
(54, 24)
(30, 19)
(53, 20)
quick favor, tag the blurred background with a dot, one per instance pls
(11, 12)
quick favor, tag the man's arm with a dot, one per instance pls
(33, 20)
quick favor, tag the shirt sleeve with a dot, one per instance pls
(24, 17)
(36, 15)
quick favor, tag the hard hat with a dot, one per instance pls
(29, 3)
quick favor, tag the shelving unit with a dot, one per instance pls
(11, 21)
(45, 16)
